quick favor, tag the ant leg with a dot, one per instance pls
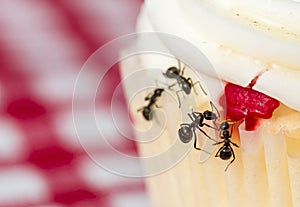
(156, 119)
(140, 109)
(214, 108)
(234, 143)
(195, 143)
(181, 71)
(172, 85)
(157, 106)
(178, 97)
(190, 116)
(160, 82)
(220, 134)
(192, 85)
(198, 82)
(195, 140)
(231, 131)
(218, 153)
(206, 134)
(217, 143)
(155, 114)
(231, 160)
(216, 128)
(212, 105)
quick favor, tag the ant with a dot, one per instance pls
(226, 151)
(187, 131)
(147, 110)
(184, 83)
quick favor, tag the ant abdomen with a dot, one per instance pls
(185, 134)
(186, 86)
(226, 153)
(147, 113)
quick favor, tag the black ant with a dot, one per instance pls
(184, 83)
(226, 151)
(147, 110)
(187, 131)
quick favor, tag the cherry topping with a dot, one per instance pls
(248, 104)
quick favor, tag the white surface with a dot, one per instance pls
(21, 185)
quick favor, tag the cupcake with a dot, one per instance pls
(251, 76)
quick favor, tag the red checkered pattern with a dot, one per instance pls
(43, 45)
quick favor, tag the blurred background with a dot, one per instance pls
(43, 45)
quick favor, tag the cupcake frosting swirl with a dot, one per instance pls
(242, 39)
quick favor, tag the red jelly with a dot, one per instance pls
(248, 104)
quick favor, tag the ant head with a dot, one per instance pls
(158, 91)
(172, 72)
(209, 115)
(224, 125)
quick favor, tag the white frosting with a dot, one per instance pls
(241, 39)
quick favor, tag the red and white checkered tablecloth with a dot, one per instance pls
(43, 45)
